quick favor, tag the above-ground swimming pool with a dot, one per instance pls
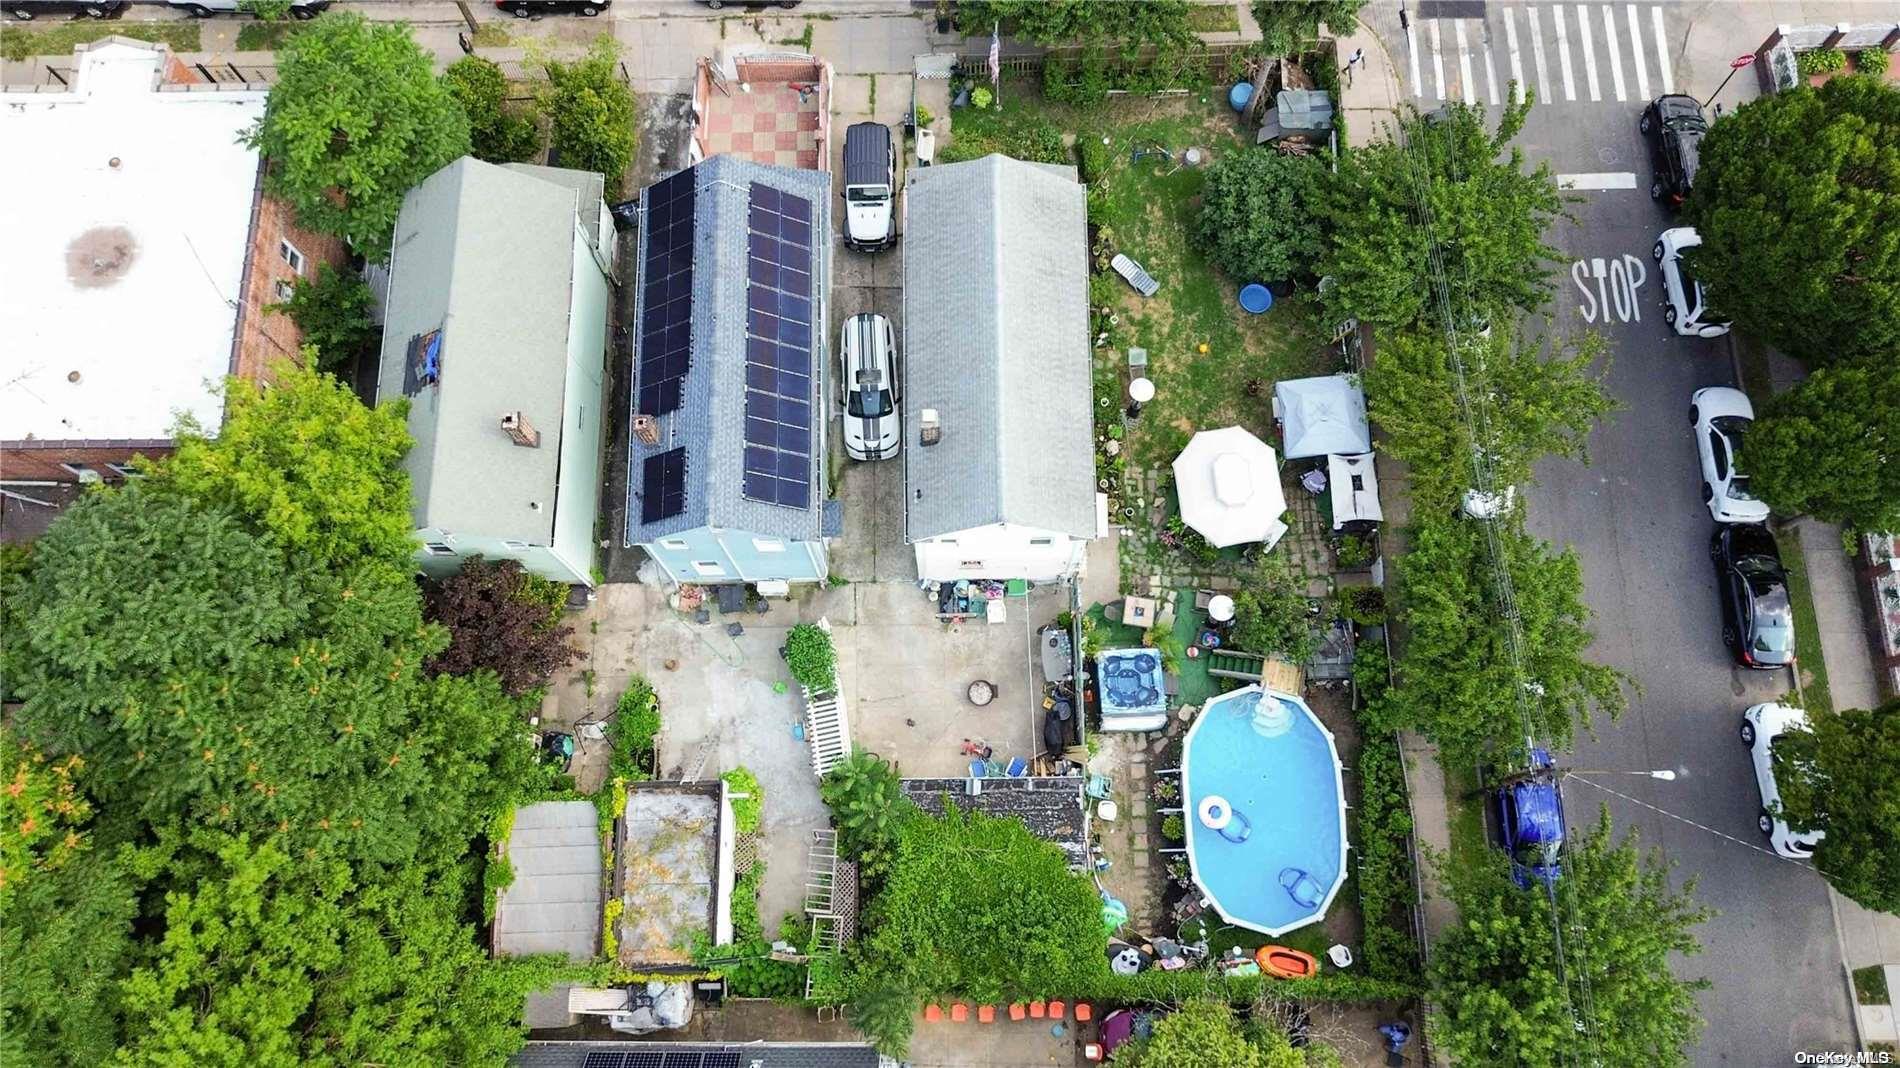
(1265, 810)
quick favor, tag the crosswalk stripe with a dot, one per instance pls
(1616, 54)
(1464, 64)
(1589, 51)
(1490, 68)
(1662, 52)
(1537, 53)
(1636, 56)
(1563, 52)
(1438, 62)
(1411, 37)
(1517, 60)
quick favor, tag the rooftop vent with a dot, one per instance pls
(647, 429)
(520, 431)
(929, 427)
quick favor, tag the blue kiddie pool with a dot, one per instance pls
(1260, 782)
(1239, 95)
(1256, 298)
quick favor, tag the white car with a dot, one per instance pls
(1685, 306)
(1762, 727)
(1721, 416)
(868, 389)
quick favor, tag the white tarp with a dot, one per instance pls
(1229, 485)
(1321, 415)
(1355, 488)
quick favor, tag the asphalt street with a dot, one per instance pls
(1634, 514)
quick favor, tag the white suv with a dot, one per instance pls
(1721, 416)
(868, 388)
(1685, 306)
(1762, 727)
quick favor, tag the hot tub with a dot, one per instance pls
(1133, 689)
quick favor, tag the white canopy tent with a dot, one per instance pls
(1229, 485)
(1354, 484)
(1321, 415)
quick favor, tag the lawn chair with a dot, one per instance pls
(1018, 767)
(1099, 786)
(1135, 275)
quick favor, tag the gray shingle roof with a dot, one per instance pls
(710, 419)
(554, 904)
(764, 1054)
(996, 340)
(485, 254)
(1050, 806)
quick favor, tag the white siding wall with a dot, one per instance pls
(577, 498)
(1000, 551)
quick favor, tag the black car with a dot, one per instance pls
(28, 10)
(522, 9)
(1757, 617)
(1675, 127)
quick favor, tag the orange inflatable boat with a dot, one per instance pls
(1285, 963)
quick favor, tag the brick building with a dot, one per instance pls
(140, 256)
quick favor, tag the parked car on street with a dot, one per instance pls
(1529, 808)
(1757, 616)
(524, 9)
(1764, 726)
(204, 9)
(1685, 305)
(1675, 127)
(1721, 416)
(28, 10)
(870, 181)
(718, 5)
(868, 388)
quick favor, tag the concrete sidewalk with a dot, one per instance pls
(1371, 92)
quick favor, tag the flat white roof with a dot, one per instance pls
(124, 275)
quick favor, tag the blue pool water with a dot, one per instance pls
(1269, 758)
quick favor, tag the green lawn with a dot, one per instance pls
(1213, 18)
(265, 36)
(58, 39)
(1870, 986)
(1807, 634)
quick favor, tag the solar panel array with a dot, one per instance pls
(647, 1058)
(663, 485)
(778, 355)
(666, 324)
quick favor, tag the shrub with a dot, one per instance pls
(813, 660)
(867, 806)
(748, 810)
(1260, 217)
(1871, 61)
(981, 97)
(502, 619)
(498, 874)
(1272, 615)
(1092, 156)
(635, 724)
(333, 310)
(1364, 605)
(1820, 61)
(1385, 865)
(498, 132)
(592, 111)
(1174, 828)
(924, 117)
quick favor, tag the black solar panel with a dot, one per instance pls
(645, 1059)
(778, 397)
(684, 1059)
(663, 485)
(597, 1059)
(724, 1058)
(666, 323)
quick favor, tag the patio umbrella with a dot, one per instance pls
(1229, 484)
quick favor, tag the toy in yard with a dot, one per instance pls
(1285, 962)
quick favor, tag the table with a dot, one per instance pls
(1139, 612)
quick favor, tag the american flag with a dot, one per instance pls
(996, 55)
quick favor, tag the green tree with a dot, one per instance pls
(1797, 201)
(1446, 185)
(501, 619)
(1258, 216)
(1830, 447)
(335, 311)
(1524, 406)
(1059, 22)
(868, 808)
(592, 111)
(499, 131)
(1502, 993)
(1204, 1033)
(1457, 678)
(979, 907)
(1842, 776)
(355, 120)
(1286, 26)
(886, 1014)
(1272, 614)
(307, 464)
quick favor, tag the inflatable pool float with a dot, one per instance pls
(1223, 819)
(1285, 963)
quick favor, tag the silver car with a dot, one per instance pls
(868, 389)
(1762, 727)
